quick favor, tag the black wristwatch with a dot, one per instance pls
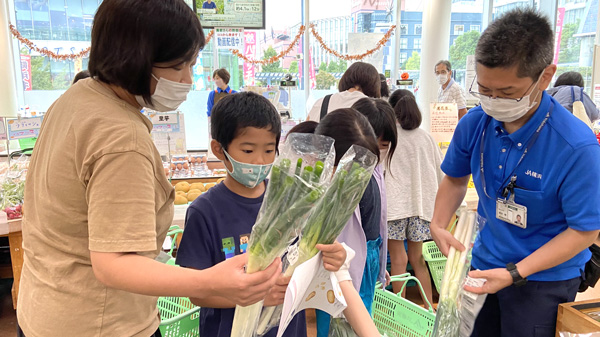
(518, 280)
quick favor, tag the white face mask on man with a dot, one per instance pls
(167, 96)
(508, 110)
(442, 78)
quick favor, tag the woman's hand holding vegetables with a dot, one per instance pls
(276, 294)
(232, 282)
(334, 255)
(496, 280)
(444, 240)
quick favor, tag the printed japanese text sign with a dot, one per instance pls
(444, 117)
(230, 38)
(165, 122)
(24, 127)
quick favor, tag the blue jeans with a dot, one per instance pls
(367, 286)
(527, 311)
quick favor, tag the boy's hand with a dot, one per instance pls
(232, 282)
(334, 255)
(276, 294)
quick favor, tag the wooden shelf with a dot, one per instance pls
(196, 180)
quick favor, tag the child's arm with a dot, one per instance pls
(356, 314)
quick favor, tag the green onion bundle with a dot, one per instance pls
(329, 218)
(292, 193)
(448, 317)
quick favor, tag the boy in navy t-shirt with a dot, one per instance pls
(245, 129)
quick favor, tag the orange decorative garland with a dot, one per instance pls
(44, 51)
(276, 57)
(355, 57)
(209, 36)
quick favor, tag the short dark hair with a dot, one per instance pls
(385, 90)
(223, 74)
(444, 62)
(408, 113)
(130, 36)
(570, 78)
(381, 117)
(398, 94)
(241, 110)
(522, 38)
(363, 75)
(348, 127)
(304, 127)
(81, 75)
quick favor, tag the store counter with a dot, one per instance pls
(15, 241)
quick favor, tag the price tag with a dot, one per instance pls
(165, 122)
(24, 127)
(2, 130)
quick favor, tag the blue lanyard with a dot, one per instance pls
(532, 141)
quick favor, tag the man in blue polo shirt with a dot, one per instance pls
(535, 167)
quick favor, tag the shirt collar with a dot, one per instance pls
(226, 89)
(522, 136)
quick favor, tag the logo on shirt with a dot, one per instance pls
(228, 247)
(244, 238)
(533, 174)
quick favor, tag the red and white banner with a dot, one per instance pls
(26, 72)
(311, 68)
(249, 52)
(559, 26)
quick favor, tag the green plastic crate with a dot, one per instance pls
(436, 261)
(179, 316)
(396, 316)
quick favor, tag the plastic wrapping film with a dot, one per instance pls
(451, 312)
(12, 188)
(299, 176)
(331, 214)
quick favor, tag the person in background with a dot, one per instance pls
(221, 77)
(209, 4)
(245, 129)
(568, 88)
(385, 90)
(362, 232)
(450, 91)
(527, 152)
(98, 203)
(397, 96)
(359, 81)
(81, 75)
(412, 183)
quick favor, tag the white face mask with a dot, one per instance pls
(442, 79)
(508, 110)
(167, 96)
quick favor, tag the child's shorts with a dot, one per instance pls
(414, 229)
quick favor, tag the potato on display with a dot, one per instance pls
(195, 191)
(181, 200)
(198, 186)
(210, 185)
(180, 193)
(182, 186)
(192, 196)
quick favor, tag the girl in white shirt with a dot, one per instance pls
(411, 188)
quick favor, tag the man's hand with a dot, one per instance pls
(334, 256)
(276, 294)
(496, 280)
(232, 282)
(444, 240)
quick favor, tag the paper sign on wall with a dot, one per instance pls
(171, 142)
(444, 117)
(24, 127)
(230, 38)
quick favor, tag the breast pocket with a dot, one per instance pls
(536, 206)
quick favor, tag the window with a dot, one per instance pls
(476, 27)
(459, 29)
(417, 43)
(403, 43)
(403, 58)
(418, 29)
(404, 29)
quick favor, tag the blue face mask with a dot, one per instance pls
(249, 175)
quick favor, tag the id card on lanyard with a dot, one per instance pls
(507, 209)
